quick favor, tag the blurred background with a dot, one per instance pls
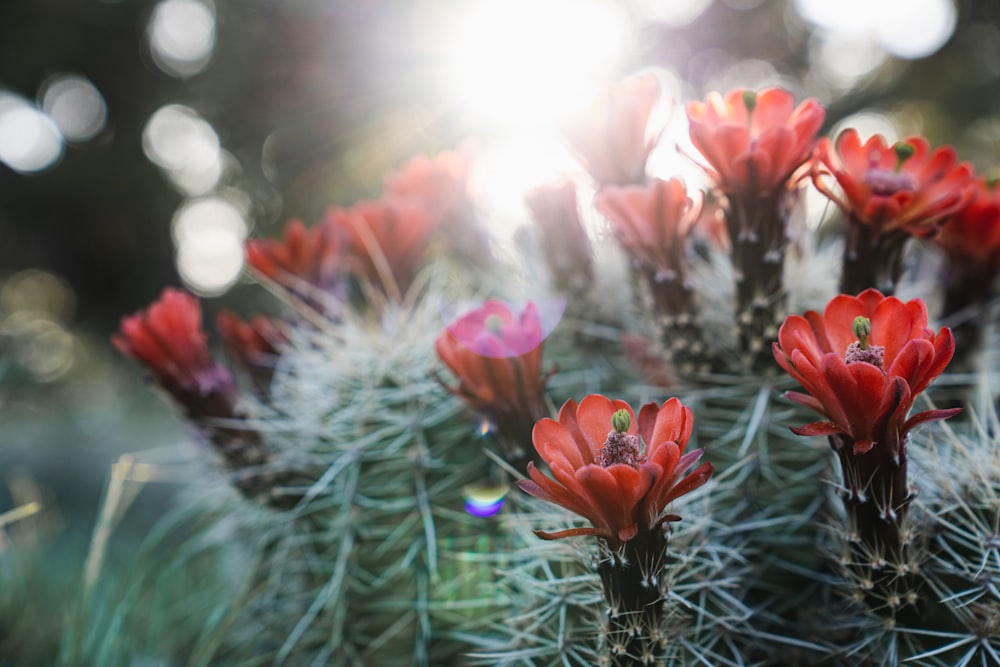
(142, 141)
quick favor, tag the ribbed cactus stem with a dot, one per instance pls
(632, 579)
(876, 496)
(758, 234)
(871, 259)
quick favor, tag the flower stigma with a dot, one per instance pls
(862, 349)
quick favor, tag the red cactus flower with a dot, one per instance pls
(971, 238)
(564, 241)
(168, 340)
(255, 344)
(611, 138)
(754, 142)
(387, 240)
(863, 362)
(652, 222)
(905, 186)
(307, 262)
(602, 471)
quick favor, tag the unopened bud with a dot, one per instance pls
(620, 421)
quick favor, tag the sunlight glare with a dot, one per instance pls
(518, 61)
(907, 29)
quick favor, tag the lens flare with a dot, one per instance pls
(484, 500)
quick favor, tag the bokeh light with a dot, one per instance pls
(185, 146)
(34, 305)
(75, 106)
(182, 36)
(842, 61)
(528, 61)
(29, 140)
(209, 233)
(907, 29)
(673, 12)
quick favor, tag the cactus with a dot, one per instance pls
(362, 451)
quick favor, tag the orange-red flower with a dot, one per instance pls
(168, 340)
(611, 137)
(497, 358)
(564, 243)
(652, 222)
(905, 186)
(255, 344)
(865, 385)
(307, 262)
(387, 240)
(754, 142)
(618, 474)
(971, 238)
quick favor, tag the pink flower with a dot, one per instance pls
(617, 472)
(754, 142)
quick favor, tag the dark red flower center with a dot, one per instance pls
(886, 182)
(620, 448)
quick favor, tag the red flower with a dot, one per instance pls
(652, 222)
(255, 344)
(564, 242)
(971, 238)
(864, 386)
(611, 137)
(386, 241)
(168, 340)
(307, 262)
(905, 186)
(603, 473)
(754, 142)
